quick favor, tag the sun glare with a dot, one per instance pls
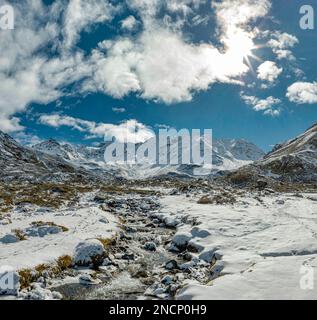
(240, 44)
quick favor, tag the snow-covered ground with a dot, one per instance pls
(261, 246)
(82, 224)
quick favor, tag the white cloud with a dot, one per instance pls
(267, 106)
(147, 9)
(81, 14)
(129, 131)
(233, 14)
(10, 124)
(269, 71)
(20, 67)
(114, 73)
(174, 75)
(233, 21)
(285, 54)
(281, 43)
(129, 23)
(28, 74)
(160, 63)
(183, 6)
(147, 67)
(302, 92)
(26, 139)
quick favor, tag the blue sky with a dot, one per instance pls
(69, 69)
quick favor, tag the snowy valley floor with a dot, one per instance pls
(172, 245)
(262, 244)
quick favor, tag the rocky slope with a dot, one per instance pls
(19, 163)
(294, 161)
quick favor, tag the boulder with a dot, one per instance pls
(181, 240)
(9, 238)
(89, 252)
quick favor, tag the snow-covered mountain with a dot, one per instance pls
(231, 154)
(295, 159)
(54, 148)
(227, 155)
(19, 163)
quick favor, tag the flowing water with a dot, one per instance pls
(124, 284)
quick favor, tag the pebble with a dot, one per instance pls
(167, 280)
(128, 256)
(171, 265)
(150, 246)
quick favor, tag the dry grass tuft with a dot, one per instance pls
(50, 224)
(108, 242)
(19, 234)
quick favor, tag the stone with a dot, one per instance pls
(128, 256)
(261, 184)
(194, 247)
(171, 222)
(89, 252)
(171, 265)
(150, 246)
(104, 220)
(208, 256)
(167, 280)
(141, 274)
(9, 238)
(181, 240)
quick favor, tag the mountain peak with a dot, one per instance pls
(228, 154)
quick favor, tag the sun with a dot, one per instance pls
(240, 47)
(239, 44)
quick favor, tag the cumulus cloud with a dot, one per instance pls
(10, 124)
(267, 106)
(129, 23)
(161, 65)
(281, 43)
(20, 67)
(41, 60)
(302, 92)
(27, 72)
(233, 14)
(269, 71)
(130, 131)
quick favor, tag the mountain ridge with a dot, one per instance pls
(294, 161)
(228, 154)
(20, 163)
